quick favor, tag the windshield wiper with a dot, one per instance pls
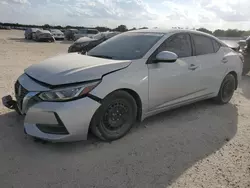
(102, 56)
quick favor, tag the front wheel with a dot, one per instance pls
(115, 117)
(226, 90)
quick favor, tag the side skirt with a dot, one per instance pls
(176, 105)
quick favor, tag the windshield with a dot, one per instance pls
(83, 31)
(126, 46)
(55, 31)
(74, 31)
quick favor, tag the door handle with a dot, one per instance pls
(193, 67)
(224, 60)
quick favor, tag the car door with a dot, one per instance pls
(171, 83)
(211, 60)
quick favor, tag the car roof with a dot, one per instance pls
(56, 30)
(108, 32)
(34, 29)
(72, 29)
(43, 31)
(111, 33)
(175, 31)
(167, 31)
(83, 29)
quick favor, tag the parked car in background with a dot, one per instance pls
(129, 77)
(84, 44)
(30, 33)
(69, 33)
(242, 43)
(43, 35)
(85, 33)
(57, 34)
(5, 27)
(233, 44)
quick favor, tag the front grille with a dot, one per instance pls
(20, 93)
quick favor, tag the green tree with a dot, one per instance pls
(132, 29)
(46, 26)
(143, 28)
(219, 33)
(102, 29)
(246, 34)
(121, 28)
(58, 27)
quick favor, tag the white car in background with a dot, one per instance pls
(43, 35)
(85, 33)
(125, 79)
(57, 34)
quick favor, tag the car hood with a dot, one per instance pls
(56, 33)
(73, 68)
(84, 39)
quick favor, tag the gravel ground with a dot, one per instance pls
(200, 145)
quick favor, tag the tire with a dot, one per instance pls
(226, 90)
(115, 117)
(51, 40)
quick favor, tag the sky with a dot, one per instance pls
(211, 14)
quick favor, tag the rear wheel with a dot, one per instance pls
(226, 90)
(115, 117)
(51, 40)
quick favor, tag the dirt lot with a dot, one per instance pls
(200, 145)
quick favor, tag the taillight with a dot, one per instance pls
(242, 58)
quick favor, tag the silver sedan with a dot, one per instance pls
(126, 79)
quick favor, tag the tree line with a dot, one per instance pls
(120, 28)
(123, 28)
(226, 33)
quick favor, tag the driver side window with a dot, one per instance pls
(179, 44)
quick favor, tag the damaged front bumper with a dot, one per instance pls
(8, 102)
(52, 121)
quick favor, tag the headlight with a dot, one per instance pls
(84, 44)
(68, 93)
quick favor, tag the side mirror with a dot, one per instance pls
(166, 57)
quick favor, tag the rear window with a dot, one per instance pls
(203, 45)
(216, 45)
